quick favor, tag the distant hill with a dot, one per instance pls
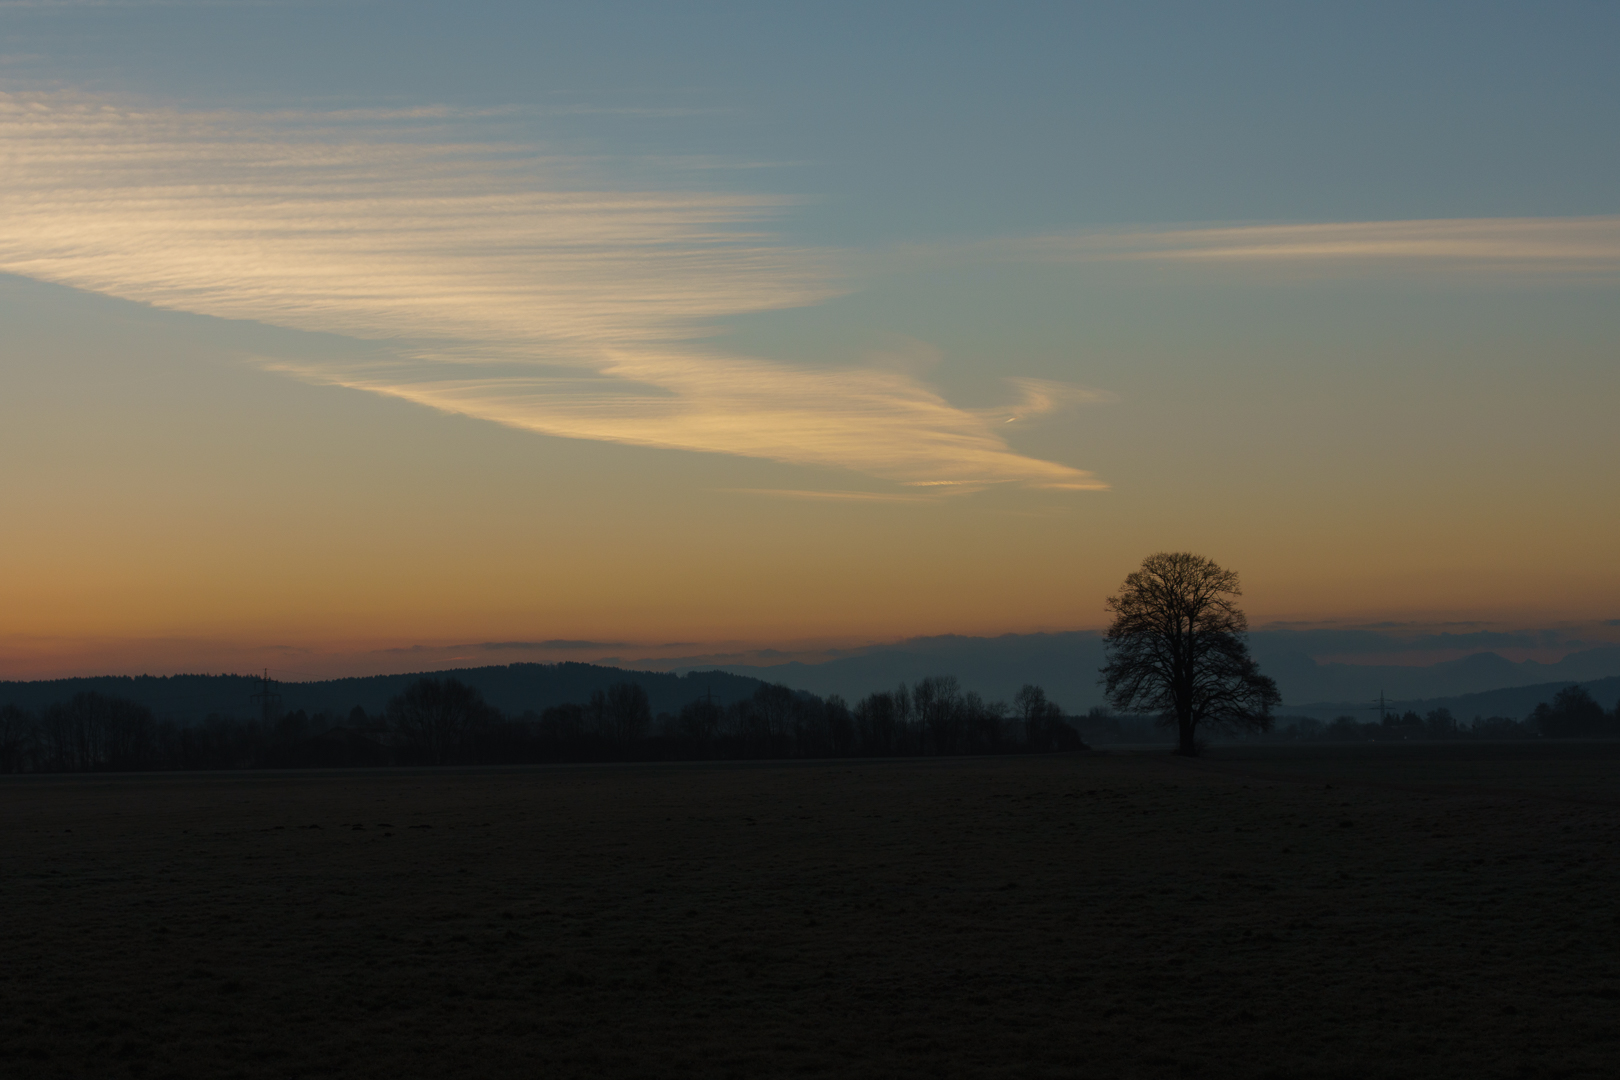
(1513, 702)
(1303, 679)
(1065, 665)
(513, 688)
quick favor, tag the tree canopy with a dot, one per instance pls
(1177, 647)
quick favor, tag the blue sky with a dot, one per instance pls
(911, 121)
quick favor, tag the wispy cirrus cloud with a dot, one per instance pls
(1043, 397)
(873, 420)
(513, 285)
(1589, 245)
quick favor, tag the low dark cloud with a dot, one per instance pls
(509, 646)
(553, 643)
(1387, 637)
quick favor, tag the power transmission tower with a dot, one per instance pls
(267, 698)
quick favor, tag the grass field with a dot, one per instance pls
(1355, 912)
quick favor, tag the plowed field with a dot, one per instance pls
(1402, 911)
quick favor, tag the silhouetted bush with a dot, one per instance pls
(1041, 718)
(1500, 727)
(440, 722)
(1573, 715)
(19, 741)
(699, 723)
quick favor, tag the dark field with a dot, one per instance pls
(1364, 912)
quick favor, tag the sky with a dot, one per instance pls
(343, 337)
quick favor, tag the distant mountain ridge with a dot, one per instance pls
(1513, 702)
(513, 688)
(1066, 665)
(1305, 680)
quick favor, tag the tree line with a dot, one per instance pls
(446, 722)
(1572, 714)
(1177, 651)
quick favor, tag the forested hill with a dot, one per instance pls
(1514, 702)
(512, 688)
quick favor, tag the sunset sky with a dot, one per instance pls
(346, 337)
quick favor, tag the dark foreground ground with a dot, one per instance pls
(1363, 912)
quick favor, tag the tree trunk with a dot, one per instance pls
(1187, 746)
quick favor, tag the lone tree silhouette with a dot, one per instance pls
(1177, 647)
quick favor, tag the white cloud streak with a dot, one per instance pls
(1043, 397)
(514, 285)
(880, 422)
(1589, 245)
